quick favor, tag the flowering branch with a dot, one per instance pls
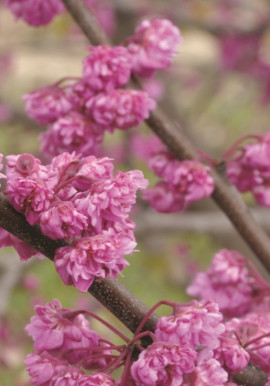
(224, 195)
(110, 292)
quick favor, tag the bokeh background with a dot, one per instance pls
(209, 91)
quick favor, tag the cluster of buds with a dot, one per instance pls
(79, 111)
(80, 201)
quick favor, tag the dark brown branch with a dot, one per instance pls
(112, 294)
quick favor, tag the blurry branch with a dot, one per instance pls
(208, 222)
(110, 292)
(225, 196)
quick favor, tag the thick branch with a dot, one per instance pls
(225, 196)
(111, 293)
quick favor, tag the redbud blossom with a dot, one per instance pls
(62, 221)
(91, 257)
(197, 324)
(61, 333)
(153, 45)
(120, 109)
(73, 132)
(42, 368)
(35, 12)
(229, 283)
(107, 68)
(47, 104)
(163, 363)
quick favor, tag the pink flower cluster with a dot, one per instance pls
(35, 12)
(183, 352)
(229, 283)
(249, 170)
(183, 182)
(81, 201)
(244, 298)
(79, 111)
(64, 343)
(39, 12)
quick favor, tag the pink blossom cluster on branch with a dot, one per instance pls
(249, 169)
(79, 200)
(182, 182)
(79, 111)
(197, 345)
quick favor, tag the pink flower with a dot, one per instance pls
(153, 45)
(25, 165)
(62, 221)
(90, 257)
(163, 364)
(107, 67)
(164, 199)
(207, 373)
(29, 196)
(42, 368)
(47, 104)
(229, 283)
(184, 182)
(35, 12)
(69, 377)
(62, 333)
(112, 199)
(73, 132)
(95, 380)
(231, 354)
(120, 108)
(24, 251)
(197, 324)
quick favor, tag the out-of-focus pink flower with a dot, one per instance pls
(91, 257)
(72, 132)
(153, 45)
(229, 283)
(62, 221)
(184, 182)
(42, 368)
(239, 52)
(47, 104)
(24, 251)
(164, 199)
(107, 68)
(62, 333)
(31, 282)
(197, 324)
(35, 12)
(120, 109)
(5, 112)
(1, 167)
(163, 363)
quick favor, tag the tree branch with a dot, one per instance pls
(110, 292)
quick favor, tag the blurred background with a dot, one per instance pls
(217, 90)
